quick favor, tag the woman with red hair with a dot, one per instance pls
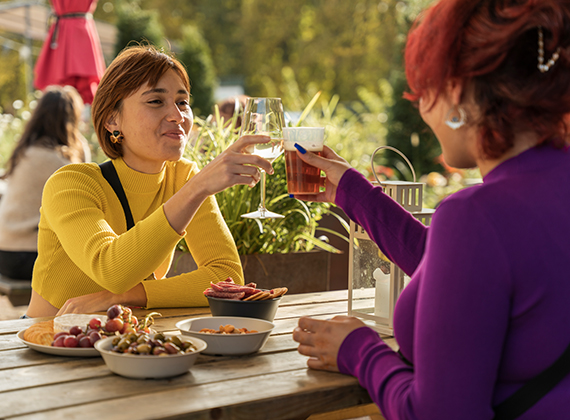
(484, 324)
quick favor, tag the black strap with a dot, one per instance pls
(110, 174)
(531, 392)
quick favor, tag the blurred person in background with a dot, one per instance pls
(229, 107)
(51, 139)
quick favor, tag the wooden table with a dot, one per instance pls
(274, 383)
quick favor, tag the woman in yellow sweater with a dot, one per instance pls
(88, 258)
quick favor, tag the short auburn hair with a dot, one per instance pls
(129, 71)
(492, 46)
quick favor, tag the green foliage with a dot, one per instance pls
(295, 232)
(354, 130)
(196, 56)
(408, 133)
(337, 45)
(137, 25)
(12, 78)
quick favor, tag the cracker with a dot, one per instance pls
(261, 296)
(253, 297)
(279, 291)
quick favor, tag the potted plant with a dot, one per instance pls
(274, 252)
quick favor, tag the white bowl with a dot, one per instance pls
(228, 344)
(148, 366)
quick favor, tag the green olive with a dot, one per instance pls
(143, 349)
(176, 340)
(123, 344)
(142, 338)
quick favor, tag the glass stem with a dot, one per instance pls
(262, 186)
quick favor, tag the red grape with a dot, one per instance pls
(114, 324)
(70, 341)
(85, 342)
(58, 342)
(95, 323)
(127, 328)
(114, 311)
(94, 337)
(75, 330)
(59, 334)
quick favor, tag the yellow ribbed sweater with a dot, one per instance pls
(84, 247)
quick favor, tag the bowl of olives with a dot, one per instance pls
(141, 355)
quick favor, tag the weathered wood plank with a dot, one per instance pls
(76, 379)
(286, 395)
(25, 357)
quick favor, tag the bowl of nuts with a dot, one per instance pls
(141, 355)
(228, 335)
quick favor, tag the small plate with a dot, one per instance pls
(60, 351)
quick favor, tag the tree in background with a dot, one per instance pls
(408, 133)
(336, 46)
(12, 79)
(195, 55)
(135, 24)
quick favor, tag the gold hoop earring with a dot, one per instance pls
(456, 117)
(116, 137)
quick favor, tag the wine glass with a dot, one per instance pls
(264, 116)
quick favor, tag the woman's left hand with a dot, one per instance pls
(321, 340)
(101, 301)
(93, 302)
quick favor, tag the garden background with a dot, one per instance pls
(347, 55)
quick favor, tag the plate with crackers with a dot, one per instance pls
(40, 336)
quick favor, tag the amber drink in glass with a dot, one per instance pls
(302, 178)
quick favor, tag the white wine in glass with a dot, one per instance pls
(264, 116)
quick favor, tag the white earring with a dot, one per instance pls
(456, 117)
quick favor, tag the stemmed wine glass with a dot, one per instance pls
(264, 116)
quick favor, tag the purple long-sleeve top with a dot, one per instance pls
(488, 304)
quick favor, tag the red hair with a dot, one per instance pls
(492, 46)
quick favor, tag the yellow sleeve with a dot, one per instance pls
(214, 251)
(77, 209)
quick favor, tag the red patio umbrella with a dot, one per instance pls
(71, 54)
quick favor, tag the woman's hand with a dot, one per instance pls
(233, 166)
(93, 302)
(321, 340)
(334, 167)
(101, 301)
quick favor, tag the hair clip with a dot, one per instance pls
(541, 66)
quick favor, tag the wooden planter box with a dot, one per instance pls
(300, 272)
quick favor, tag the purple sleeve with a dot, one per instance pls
(461, 318)
(399, 235)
